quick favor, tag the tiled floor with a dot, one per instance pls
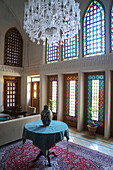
(98, 143)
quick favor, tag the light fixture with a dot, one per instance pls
(54, 20)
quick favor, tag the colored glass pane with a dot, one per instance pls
(112, 29)
(94, 30)
(72, 98)
(52, 53)
(54, 95)
(96, 98)
(71, 48)
(53, 92)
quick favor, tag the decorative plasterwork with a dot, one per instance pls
(11, 69)
(96, 63)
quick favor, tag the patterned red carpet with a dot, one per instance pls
(18, 156)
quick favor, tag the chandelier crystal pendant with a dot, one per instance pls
(55, 20)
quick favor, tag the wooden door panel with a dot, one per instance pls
(11, 92)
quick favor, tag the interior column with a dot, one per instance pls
(43, 91)
(107, 104)
(60, 97)
(80, 101)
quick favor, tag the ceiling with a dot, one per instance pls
(17, 9)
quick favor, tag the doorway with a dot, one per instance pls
(35, 93)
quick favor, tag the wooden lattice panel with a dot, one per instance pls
(12, 91)
(13, 48)
(11, 94)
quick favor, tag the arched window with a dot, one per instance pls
(94, 30)
(112, 29)
(71, 48)
(52, 53)
(13, 48)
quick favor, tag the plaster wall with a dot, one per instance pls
(35, 53)
(7, 21)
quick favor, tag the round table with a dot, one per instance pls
(45, 137)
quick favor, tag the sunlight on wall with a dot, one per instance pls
(35, 79)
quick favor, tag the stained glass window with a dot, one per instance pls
(52, 53)
(96, 99)
(13, 48)
(72, 97)
(53, 92)
(71, 48)
(112, 29)
(94, 30)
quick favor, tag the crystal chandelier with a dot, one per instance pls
(54, 20)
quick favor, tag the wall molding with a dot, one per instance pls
(11, 69)
(95, 63)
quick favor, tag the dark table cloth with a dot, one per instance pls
(45, 137)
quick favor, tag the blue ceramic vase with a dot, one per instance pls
(46, 115)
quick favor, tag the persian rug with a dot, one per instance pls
(17, 156)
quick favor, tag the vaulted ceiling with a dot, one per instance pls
(17, 9)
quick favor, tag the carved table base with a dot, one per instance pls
(41, 153)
